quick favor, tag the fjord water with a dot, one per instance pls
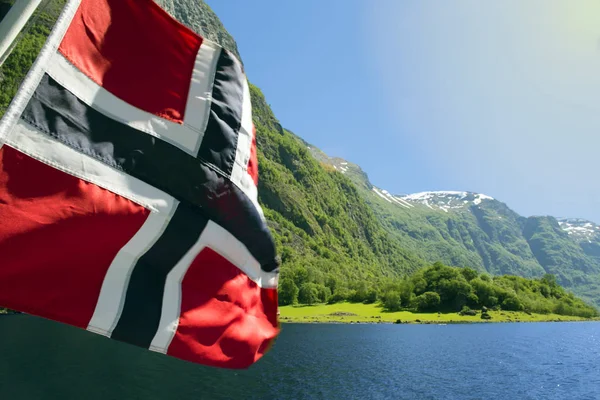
(45, 360)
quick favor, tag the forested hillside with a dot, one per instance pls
(443, 288)
(474, 230)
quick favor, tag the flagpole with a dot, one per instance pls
(13, 23)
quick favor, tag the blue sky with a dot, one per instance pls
(497, 97)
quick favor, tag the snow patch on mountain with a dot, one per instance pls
(422, 196)
(481, 197)
(446, 200)
(579, 228)
(387, 196)
(396, 200)
(341, 168)
(380, 194)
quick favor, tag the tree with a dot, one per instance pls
(485, 291)
(454, 292)
(550, 280)
(511, 303)
(371, 296)
(472, 300)
(491, 301)
(469, 273)
(419, 283)
(300, 276)
(333, 283)
(360, 292)
(324, 293)
(287, 254)
(287, 292)
(428, 301)
(391, 301)
(406, 293)
(308, 294)
(336, 297)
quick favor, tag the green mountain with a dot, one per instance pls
(340, 237)
(475, 230)
(567, 251)
(585, 233)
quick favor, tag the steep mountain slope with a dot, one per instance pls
(472, 229)
(557, 249)
(585, 233)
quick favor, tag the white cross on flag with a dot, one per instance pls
(128, 189)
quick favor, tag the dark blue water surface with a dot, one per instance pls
(45, 360)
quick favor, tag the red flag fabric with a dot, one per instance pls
(128, 189)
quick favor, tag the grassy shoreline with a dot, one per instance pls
(374, 313)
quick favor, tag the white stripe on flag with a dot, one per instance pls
(114, 287)
(220, 240)
(197, 110)
(44, 148)
(242, 154)
(239, 173)
(187, 137)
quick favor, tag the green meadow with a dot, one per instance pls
(374, 313)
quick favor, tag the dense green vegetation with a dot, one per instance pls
(340, 242)
(486, 237)
(330, 240)
(447, 289)
(563, 257)
(450, 289)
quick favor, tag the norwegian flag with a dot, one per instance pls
(128, 189)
